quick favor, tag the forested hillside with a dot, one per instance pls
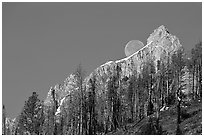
(156, 90)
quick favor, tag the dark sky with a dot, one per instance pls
(42, 43)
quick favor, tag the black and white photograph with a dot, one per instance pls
(101, 68)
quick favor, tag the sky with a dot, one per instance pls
(42, 43)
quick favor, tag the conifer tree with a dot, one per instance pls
(178, 63)
(196, 63)
(3, 120)
(31, 120)
(91, 107)
(80, 74)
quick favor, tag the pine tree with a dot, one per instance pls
(3, 120)
(178, 63)
(80, 74)
(31, 120)
(148, 72)
(196, 59)
(91, 107)
(131, 96)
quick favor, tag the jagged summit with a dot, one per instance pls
(157, 34)
(161, 45)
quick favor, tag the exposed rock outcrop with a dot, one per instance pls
(160, 46)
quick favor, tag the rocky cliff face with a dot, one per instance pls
(160, 46)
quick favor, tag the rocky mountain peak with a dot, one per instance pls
(158, 34)
(160, 46)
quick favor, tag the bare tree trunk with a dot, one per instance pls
(81, 109)
(167, 82)
(197, 80)
(200, 80)
(193, 82)
(178, 110)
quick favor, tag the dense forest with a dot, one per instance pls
(125, 103)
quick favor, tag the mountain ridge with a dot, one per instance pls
(160, 44)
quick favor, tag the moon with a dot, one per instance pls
(133, 46)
